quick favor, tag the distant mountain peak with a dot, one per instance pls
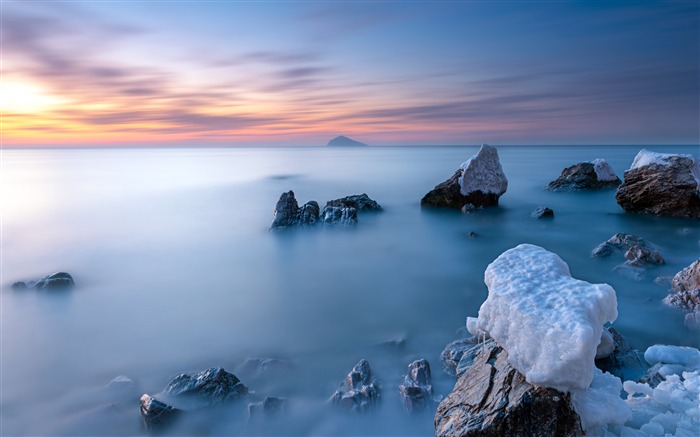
(344, 141)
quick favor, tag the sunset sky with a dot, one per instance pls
(386, 73)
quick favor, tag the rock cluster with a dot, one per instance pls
(662, 184)
(359, 391)
(214, 385)
(341, 211)
(585, 176)
(54, 281)
(637, 252)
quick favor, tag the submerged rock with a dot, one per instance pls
(263, 365)
(452, 353)
(494, 399)
(213, 385)
(55, 281)
(270, 406)
(685, 293)
(621, 361)
(479, 181)
(417, 390)
(333, 215)
(585, 176)
(360, 202)
(662, 184)
(542, 212)
(637, 252)
(156, 414)
(359, 391)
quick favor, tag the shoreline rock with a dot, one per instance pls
(359, 391)
(585, 176)
(685, 293)
(210, 386)
(416, 390)
(156, 414)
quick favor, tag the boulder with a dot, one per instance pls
(662, 184)
(542, 212)
(685, 293)
(494, 399)
(156, 414)
(55, 281)
(210, 386)
(270, 406)
(360, 202)
(637, 252)
(585, 176)
(333, 215)
(452, 353)
(416, 390)
(286, 211)
(479, 181)
(359, 391)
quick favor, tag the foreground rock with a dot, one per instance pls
(210, 386)
(417, 390)
(685, 293)
(480, 181)
(359, 391)
(453, 352)
(585, 176)
(494, 399)
(637, 252)
(662, 184)
(360, 202)
(542, 212)
(156, 414)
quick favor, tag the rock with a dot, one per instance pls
(453, 352)
(685, 288)
(343, 141)
(640, 256)
(270, 406)
(416, 390)
(359, 391)
(662, 184)
(55, 281)
(19, 285)
(479, 181)
(493, 399)
(156, 414)
(638, 252)
(652, 376)
(622, 361)
(472, 234)
(542, 212)
(692, 320)
(468, 357)
(286, 211)
(213, 385)
(585, 176)
(308, 214)
(360, 202)
(339, 216)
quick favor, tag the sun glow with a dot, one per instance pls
(26, 98)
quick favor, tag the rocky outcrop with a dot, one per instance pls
(343, 141)
(542, 212)
(308, 214)
(452, 353)
(480, 181)
(156, 414)
(54, 281)
(333, 215)
(416, 390)
(359, 391)
(341, 211)
(685, 293)
(210, 386)
(270, 406)
(585, 176)
(662, 184)
(637, 252)
(360, 202)
(494, 399)
(286, 211)
(620, 359)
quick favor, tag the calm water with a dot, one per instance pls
(176, 272)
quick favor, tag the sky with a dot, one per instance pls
(246, 73)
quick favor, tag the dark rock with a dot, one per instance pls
(309, 213)
(583, 176)
(213, 385)
(466, 361)
(339, 216)
(472, 234)
(638, 252)
(493, 399)
(452, 353)
(652, 377)
(19, 285)
(624, 362)
(270, 406)
(542, 212)
(156, 414)
(685, 293)
(661, 184)
(55, 281)
(479, 181)
(359, 391)
(343, 141)
(417, 390)
(640, 256)
(286, 211)
(360, 202)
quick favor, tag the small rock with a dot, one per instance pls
(472, 234)
(638, 253)
(270, 406)
(286, 211)
(213, 385)
(453, 352)
(309, 213)
(640, 256)
(685, 293)
(156, 414)
(359, 391)
(542, 212)
(19, 285)
(55, 281)
(360, 202)
(623, 362)
(652, 376)
(585, 176)
(334, 215)
(416, 390)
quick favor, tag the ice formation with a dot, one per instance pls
(603, 171)
(483, 172)
(604, 392)
(549, 323)
(647, 157)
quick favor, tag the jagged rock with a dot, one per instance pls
(623, 361)
(479, 181)
(452, 353)
(308, 214)
(662, 184)
(638, 252)
(416, 390)
(542, 212)
(270, 406)
(286, 211)
(468, 357)
(493, 399)
(55, 281)
(685, 293)
(334, 215)
(585, 176)
(19, 285)
(360, 202)
(359, 391)
(213, 385)
(156, 414)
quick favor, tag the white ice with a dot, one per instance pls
(647, 157)
(603, 171)
(601, 403)
(483, 172)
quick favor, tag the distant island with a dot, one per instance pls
(343, 141)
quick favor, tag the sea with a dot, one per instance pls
(176, 272)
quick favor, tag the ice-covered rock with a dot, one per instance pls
(585, 176)
(210, 386)
(361, 202)
(688, 357)
(685, 293)
(542, 212)
(416, 390)
(479, 181)
(156, 414)
(662, 184)
(549, 322)
(600, 404)
(333, 215)
(359, 391)
(623, 361)
(492, 399)
(453, 352)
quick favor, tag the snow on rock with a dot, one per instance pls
(685, 356)
(603, 170)
(647, 157)
(604, 391)
(483, 172)
(549, 323)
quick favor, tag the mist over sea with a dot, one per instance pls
(176, 272)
